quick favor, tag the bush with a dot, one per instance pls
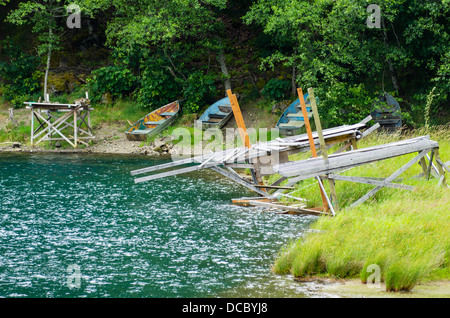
(198, 89)
(276, 89)
(115, 80)
(343, 104)
(157, 88)
(19, 74)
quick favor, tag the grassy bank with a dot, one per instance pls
(405, 233)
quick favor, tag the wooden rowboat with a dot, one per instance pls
(291, 121)
(386, 112)
(217, 115)
(154, 122)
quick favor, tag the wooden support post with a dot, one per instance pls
(323, 145)
(32, 126)
(440, 166)
(11, 116)
(312, 145)
(423, 165)
(354, 145)
(430, 164)
(243, 132)
(75, 128)
(390, 178)
(240, 181)
(239, 119)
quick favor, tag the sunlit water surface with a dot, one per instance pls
(78, 226)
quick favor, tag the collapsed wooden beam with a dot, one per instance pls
(239, 180)
(290, 208)
(172, 173)
(371, 181)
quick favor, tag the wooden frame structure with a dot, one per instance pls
(268, 158)
(317, 167)
(53, 118)
(262, 157)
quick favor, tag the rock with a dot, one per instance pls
(16, 145)
(279, 107)
(107, 98)
(158, 143)
(58, 144)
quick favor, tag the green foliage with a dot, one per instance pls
(116, 80)
(276, 89)
(19, 74)
(341, 103)
(20, 133)
(329, 42)
(197, 90)
(157, 86)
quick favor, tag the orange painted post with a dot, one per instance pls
(243, 132)
(311, 141)
(239, 119)
(307, 125)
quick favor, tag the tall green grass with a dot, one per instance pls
(405, 233)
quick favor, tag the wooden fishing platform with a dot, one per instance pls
(272, 157)
(53, 118)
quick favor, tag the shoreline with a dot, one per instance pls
(354, 288)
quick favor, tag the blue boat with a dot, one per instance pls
(386, 112)
(291, 121)
(217, 115)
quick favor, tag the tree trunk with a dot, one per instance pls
(294, 85)
(391, 65)
(224, 69)
(49, 54)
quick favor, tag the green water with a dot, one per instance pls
(78, 226)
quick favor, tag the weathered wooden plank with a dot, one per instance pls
(370, 181)
(172, 173)
(245, 201)
(239, 165)
(274, 187)
(444, 165)
(239, 180)
(279, 181)
(349, 159)
(288, 208)
(390, 178)
(440, 167)
(370, 130)
(366, 120)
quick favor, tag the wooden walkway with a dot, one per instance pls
(272, 157)
(262, 156)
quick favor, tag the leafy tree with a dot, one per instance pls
(182, 35)
(332, 47)
(43, 16)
